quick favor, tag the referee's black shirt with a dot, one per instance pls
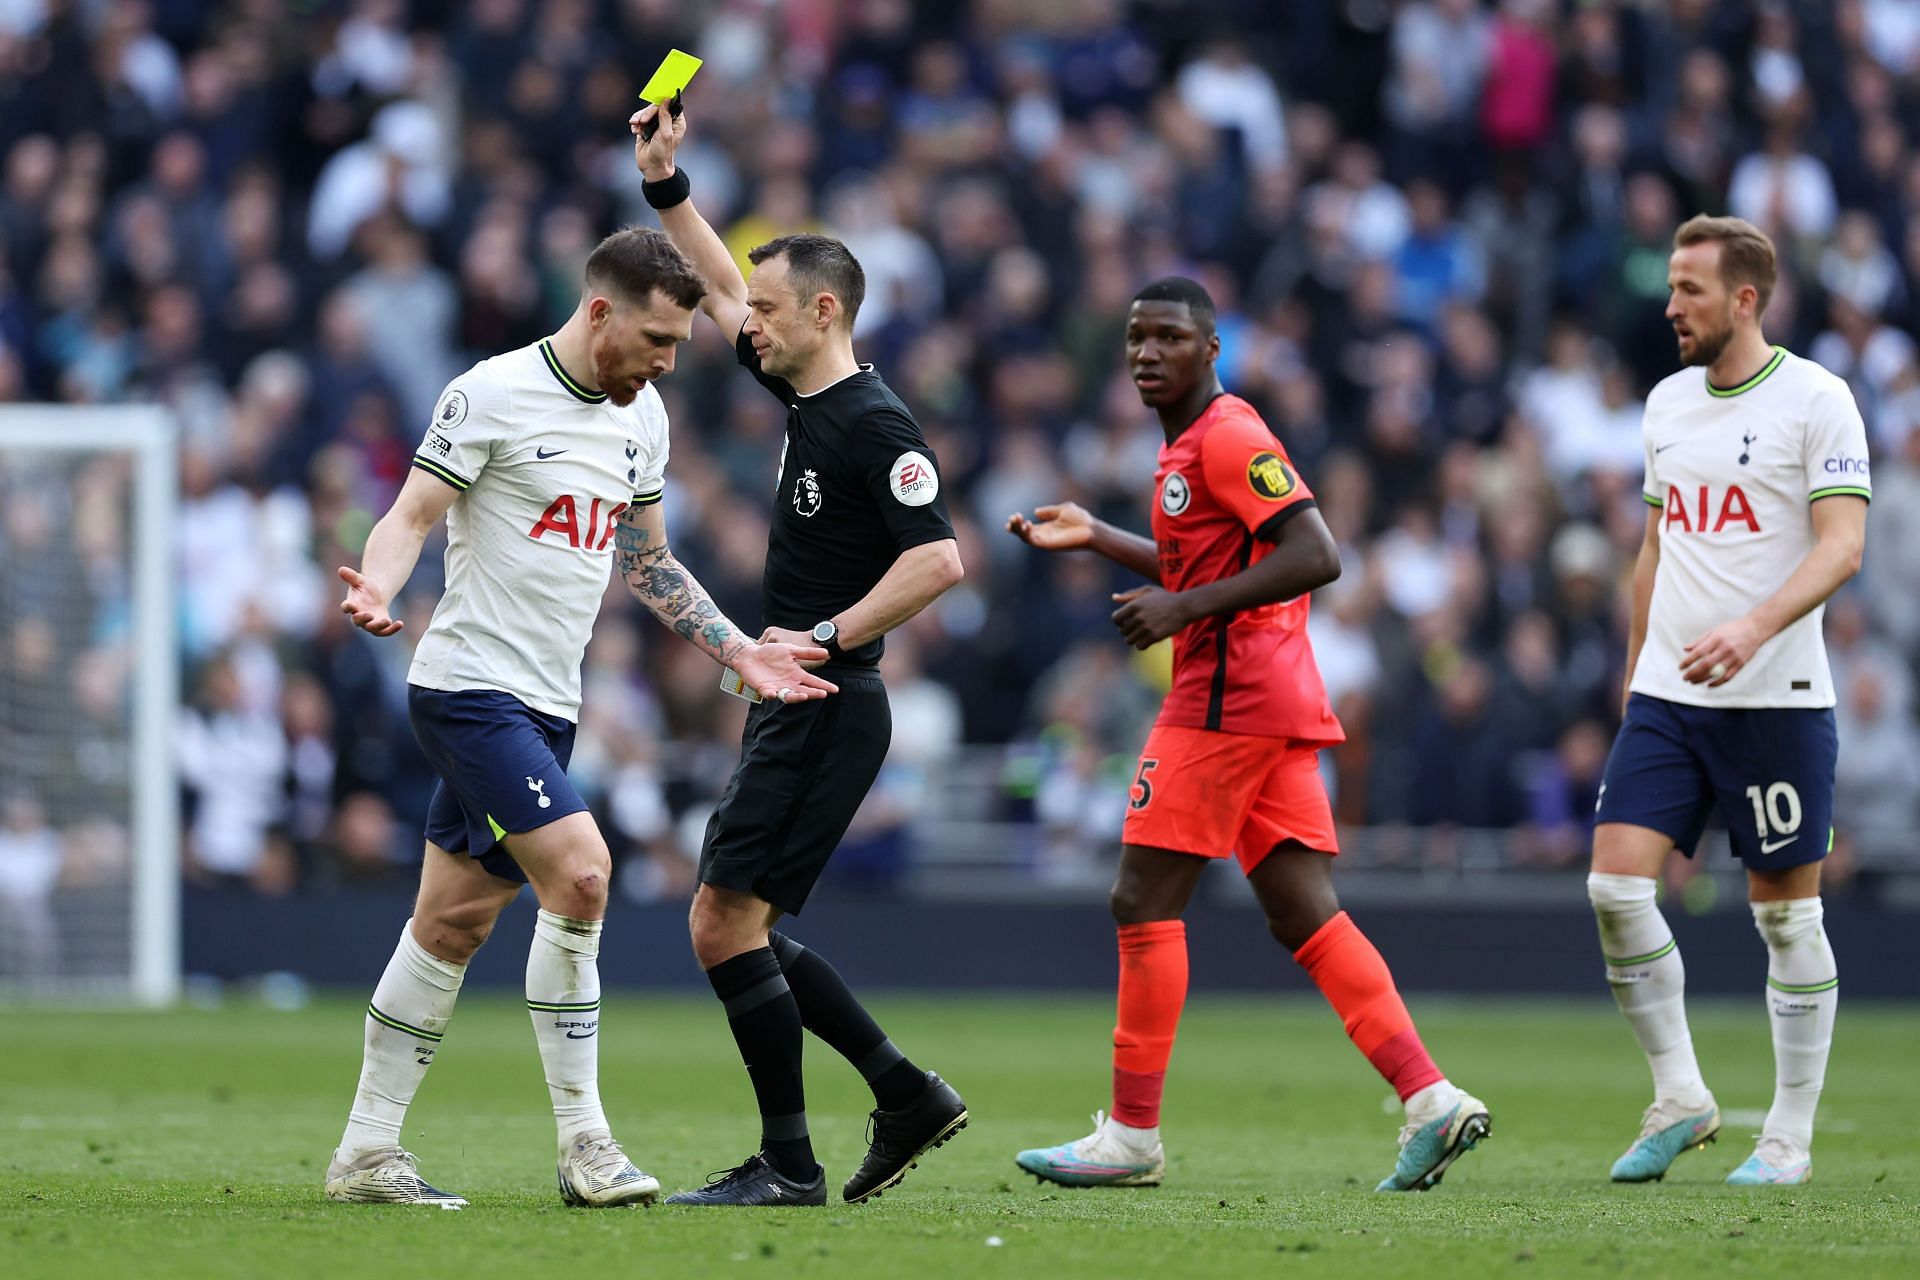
(858, 485)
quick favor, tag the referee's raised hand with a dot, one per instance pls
(777, 670)
(654, 155)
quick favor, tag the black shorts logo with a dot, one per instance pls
(1269, 477)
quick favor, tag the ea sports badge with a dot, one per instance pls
(914, 481)
(1269, 477)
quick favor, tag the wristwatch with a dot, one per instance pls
(827, 635)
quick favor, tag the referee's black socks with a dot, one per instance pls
(766, 1026)
(828, 1009)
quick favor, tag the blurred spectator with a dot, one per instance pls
(29, 870)
(232, 759)
(403, 167)
(1877, 781)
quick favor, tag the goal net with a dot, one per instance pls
(89, 847)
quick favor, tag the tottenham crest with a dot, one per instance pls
(1175, 494)
(806, 492)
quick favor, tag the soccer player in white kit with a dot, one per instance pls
(1757, 485)
(547, 462)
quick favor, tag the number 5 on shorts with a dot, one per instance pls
(1142, 788)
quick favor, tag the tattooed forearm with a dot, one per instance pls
(629, 545)
(676, 597)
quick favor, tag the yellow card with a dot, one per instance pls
(674, 75)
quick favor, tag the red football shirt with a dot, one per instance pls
(1224, 487)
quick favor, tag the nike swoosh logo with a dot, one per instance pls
(1662, 448)
(1773, 846)
(588, 1035)
(543, 455)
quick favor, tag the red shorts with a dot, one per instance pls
(1211, 793)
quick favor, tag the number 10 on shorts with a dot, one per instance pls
(1776, 811)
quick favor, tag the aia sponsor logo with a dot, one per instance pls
(562, 520)
(1705, 514)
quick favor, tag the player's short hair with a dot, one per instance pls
(634, 261)
(1181, 289)
(819, 264)
(1746, 254)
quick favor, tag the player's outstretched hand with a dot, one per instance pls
(364, 605)
(1148, 615)
(779, 670)
(1064, 526)
(654, 155)
(1717, 656)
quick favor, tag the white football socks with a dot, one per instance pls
(1136, 1139)
(405, 1022)
(1803, 995)
(563, 995)
(1429, 1104)
(1649, 982)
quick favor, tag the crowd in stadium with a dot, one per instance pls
(1436, 231)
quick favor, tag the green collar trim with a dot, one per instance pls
(566, 380)
(1779, 356)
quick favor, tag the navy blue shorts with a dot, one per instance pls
(502, 767)
(1768, 770)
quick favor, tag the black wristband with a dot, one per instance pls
(834, 651)
(669, 191)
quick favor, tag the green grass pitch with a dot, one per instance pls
(192, 1144)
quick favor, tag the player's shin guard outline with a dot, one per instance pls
(563, 999)
(406, 1021)
(1353, 976)
(1648, 979)
(1152, 993)
(1803, 996)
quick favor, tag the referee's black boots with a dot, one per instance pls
(897, 1139)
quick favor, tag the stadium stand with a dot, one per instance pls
(1437, 231)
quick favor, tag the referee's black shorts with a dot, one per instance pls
(804, 769)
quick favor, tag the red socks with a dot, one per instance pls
(1355, 981)
(1339, 959)
(1153, 989)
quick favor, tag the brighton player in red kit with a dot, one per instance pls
(1231, 766)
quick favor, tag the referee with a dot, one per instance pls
(860, 542)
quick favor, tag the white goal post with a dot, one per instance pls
(89, 653)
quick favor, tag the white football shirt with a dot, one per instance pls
(544, 468)
(1735, 473)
